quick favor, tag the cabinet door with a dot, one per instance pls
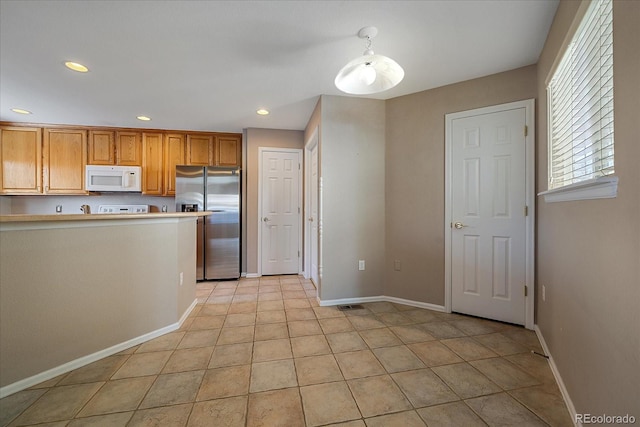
(228, 150)
(102, 147)
(64, 160)
(20, 160)
(200, 150)
(152, 163)
(128, 149)
(174, 149)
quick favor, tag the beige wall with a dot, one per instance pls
(185, 244)
(257, 138)
(588, 253)
(415, 177)
(77, 289)
(352, 201)
(5, 205)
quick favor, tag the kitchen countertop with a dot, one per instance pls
(92, 217)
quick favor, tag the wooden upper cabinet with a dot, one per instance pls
(20, 160)
(108, 147)
(174, 155)
(152, 164)
(128, 148)
(102, 147)
(52, 160)
(64, 153)
(200, 150)
(228, 150)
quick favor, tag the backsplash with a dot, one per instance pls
(43, 205)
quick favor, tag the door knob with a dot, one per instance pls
(265, 219)
(459, 225)
(311, 219)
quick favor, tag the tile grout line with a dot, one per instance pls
(374, 314)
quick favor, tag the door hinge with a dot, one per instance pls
(526, 291)
(526, 211)
(298, 254)
(298, 210)
(526, 130)
(298, 166)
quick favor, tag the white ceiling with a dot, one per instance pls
(208, 65)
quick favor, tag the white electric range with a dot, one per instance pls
(123, 209)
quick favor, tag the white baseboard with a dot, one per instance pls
(252, 275)
(556, 374)
(381, 298)
(187, 312)
(418, 304)
(90, 358)
(345, 301)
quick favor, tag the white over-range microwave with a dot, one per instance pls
(113, 178)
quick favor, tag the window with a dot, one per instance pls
(580, 97)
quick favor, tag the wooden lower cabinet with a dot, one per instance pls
(20, 160)
(64, 157)
(152, 164)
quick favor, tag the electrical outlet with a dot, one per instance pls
(58, 208)
(544, 293)
(361, 265)
(181, 278)
(397, 265)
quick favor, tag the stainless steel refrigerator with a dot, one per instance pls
(217, 190)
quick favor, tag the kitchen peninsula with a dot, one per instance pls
(76, 288)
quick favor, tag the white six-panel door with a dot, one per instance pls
(488, 207)
(280, 211)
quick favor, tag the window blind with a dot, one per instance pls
(580, 96)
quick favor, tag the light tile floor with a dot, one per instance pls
(261, 352)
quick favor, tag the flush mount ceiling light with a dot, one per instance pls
(262, 112)
(369, 73)
(143, 118)
(76, 67)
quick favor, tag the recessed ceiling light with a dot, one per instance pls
(76, 67)
(144, 118)
(262, 112)
(20, 111)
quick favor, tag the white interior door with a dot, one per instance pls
(313, 215)
(488, 215)
(280, 211)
